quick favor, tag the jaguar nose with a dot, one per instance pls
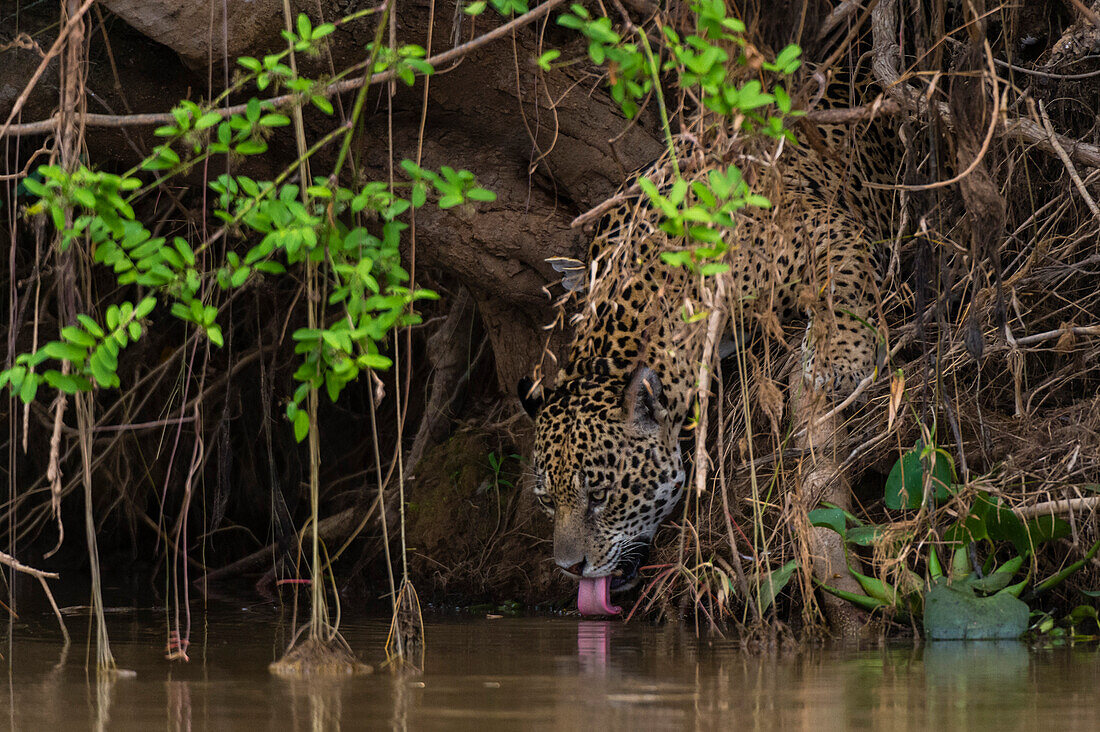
(575, 569)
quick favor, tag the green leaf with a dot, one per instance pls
(1001, 523)
(481, 194)
(1047, 528)
(145, 307)
(954, 612)
(774, 582)
(68, 383)
(301, 425)
(184, 250)
(935, 569)
(78, 337)
(103, 375)
(274, 120)
(240, 276)
(208, 120)
(29, 388)
(214, 333)
(905, 483)
(64, 351)
(999, 578)
(864, 535)
(90, 325)
(374, 361)
(877, 589)
(546, 58)
(831, 518)
(84, 197)
(251, 147)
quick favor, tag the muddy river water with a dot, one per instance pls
(560, 673)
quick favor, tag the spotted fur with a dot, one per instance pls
(607, 458)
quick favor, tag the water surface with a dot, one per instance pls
(560, 673)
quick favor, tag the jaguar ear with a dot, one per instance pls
(642, 400)
(530, 396)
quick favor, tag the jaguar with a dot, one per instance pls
(607, 459)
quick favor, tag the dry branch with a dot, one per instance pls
(887, 60)
(164, 118)
(1065, 505)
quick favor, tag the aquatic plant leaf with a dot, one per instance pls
(999, 578)
(935, 569)
(773, 583)
(1047, 528)
(875, 588)
(953, 612)
(864, 535)
(830, 518)
(905, 484)
(1001, 523)
(869, 604)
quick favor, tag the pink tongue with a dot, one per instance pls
(593, 597)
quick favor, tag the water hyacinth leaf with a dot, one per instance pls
(999, 578)
(877, 589)
(773, 583)
(1047, 528)
(953, 612)
(905, 484)
(861, 601)
(1001, 523)
(831, 518)
(864, 535)
(935, 569)
(1017, 589)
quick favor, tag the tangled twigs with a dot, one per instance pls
(164, 118)
(887, 59)
(55, 49)
(1053, 138)
(41, 576)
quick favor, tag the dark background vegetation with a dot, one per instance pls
(1019, 246)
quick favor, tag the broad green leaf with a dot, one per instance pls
(831, 518)
(953, 612)
(773, 583)
(905, 483)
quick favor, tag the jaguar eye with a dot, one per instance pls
(546, 501)
(597, 496)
